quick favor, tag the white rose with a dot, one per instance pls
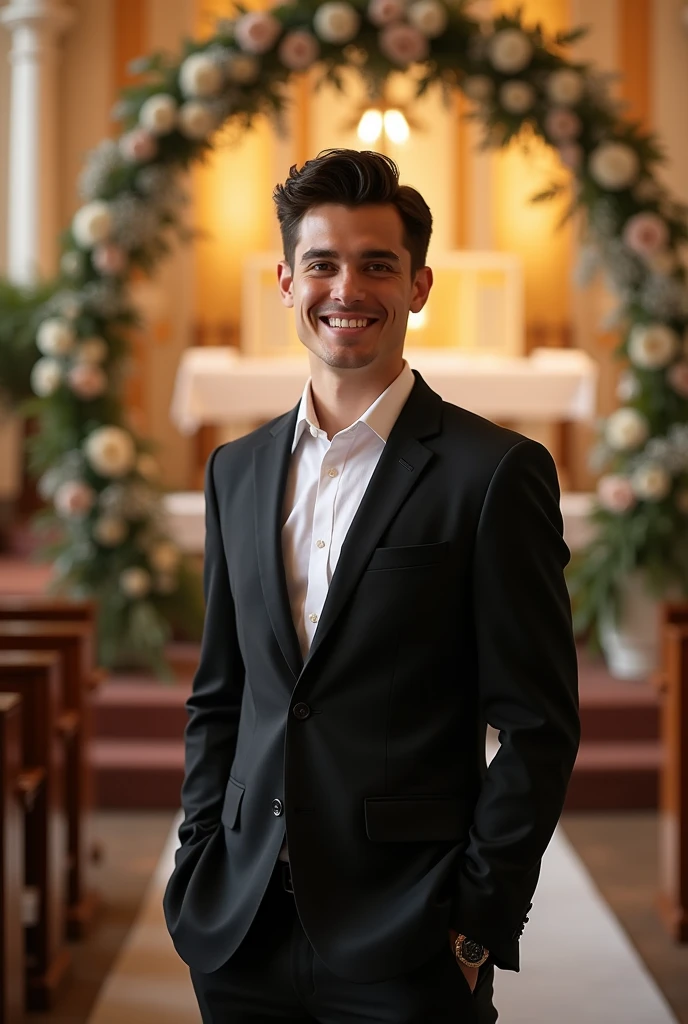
(135, 582)
(46, 376)
(196, 120)
(92, 350)
(242, 68)
(200, 76)
(429, 16)
(55, 337)
(159, 113)
(478, 87)
(517, 97)
(652, 346)
(651, 482)
(110, 451)
(92, 224)
(510, 51)
(336, 22)
(565, 87)
(628, 387)
(614, 165)
(626, 429)
(164, 556)
(110, 530)
(74, 499)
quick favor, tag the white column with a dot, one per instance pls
(33, 227)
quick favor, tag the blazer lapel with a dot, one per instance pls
(270, 467)
(396, 474)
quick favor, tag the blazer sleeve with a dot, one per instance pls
(215, 702)
(528, 691)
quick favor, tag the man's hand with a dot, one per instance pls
(469, 973)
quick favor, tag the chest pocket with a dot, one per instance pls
(407, 557)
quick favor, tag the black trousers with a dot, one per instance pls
(276, 975)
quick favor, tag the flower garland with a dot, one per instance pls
(99, 475)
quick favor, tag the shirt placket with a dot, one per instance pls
(319, 567)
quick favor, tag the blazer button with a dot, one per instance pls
(277, 808)
(301, 711)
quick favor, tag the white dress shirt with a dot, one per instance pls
(325, 485)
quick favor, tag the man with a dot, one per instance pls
(383, 575)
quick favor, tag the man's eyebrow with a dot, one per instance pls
(367, 254)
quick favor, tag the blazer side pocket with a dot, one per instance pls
(413, 819)
(230, 809)
(408, 556)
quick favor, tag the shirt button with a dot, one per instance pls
(313, 430)
(277, 808)
(313, 617)
(333, 472)
(301, 711)
(320, 543)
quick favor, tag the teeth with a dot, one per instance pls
(335, 321)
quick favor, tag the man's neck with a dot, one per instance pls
(340, 397)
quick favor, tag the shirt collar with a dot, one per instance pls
(380, 417)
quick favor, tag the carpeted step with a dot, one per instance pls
(137, 774)
(139, 709)
(619, 776)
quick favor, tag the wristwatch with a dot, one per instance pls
(469, 952)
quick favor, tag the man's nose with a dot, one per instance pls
(348, 287)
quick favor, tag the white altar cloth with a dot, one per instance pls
(219, 386)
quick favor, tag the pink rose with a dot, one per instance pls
(87, 381)
(298, 50)
(384, 12)
(403, 44)
(615, 493)
(677, 375)
(646, 233)
(257, 31)
(74, 498)
(138, 146)
(562, 124)
(109, 259)
(571, 155)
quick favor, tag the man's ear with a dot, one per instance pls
(285, 280)
(421, 289)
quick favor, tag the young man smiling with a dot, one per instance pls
(384, 575)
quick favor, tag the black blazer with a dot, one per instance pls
(447, 609)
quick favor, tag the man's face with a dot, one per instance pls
(351, 266)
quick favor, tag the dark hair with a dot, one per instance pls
(352, 178)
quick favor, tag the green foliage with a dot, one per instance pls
(19, 309)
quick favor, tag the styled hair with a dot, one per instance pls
(351, 178)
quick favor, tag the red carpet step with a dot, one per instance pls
(138, 749)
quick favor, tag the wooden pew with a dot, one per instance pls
(36, 677)
(12, 996)
(74, 641)
(672, 681)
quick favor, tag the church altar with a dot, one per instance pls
(219, 386)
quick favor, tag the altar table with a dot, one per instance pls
(220, 386)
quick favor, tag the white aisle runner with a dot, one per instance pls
(577, 963)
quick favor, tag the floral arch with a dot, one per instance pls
(98, 475)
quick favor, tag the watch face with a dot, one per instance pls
(472, 951)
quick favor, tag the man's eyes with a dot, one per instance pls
(377, 267)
